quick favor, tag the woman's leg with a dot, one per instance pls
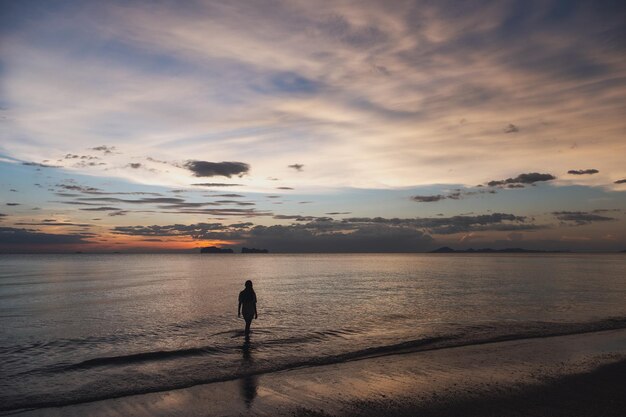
(248, 322)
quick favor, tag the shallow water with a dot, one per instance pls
(81, 327)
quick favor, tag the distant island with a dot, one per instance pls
(215, 249)
(447, 249)
(253, 250)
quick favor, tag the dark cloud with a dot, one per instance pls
(230, 195)
(582, 171)
(334, 213)
(456, 224)
(118, 213)
(12, 237)
(145, 200)
(457, 194)
(284, 188)
(511, 128)
(96, 191)
(189, 205)
(366, 238)
(105, 208)
(427, 198)
(300, 218)
(13, 190)
(529, 178)
(297, 167)
(105, 149)
(215, 184)
(134, 165)
(196, 231)
(223, 212)
(83, 164)
(580, 218)
(620, 181)
(50, 222)
(239, 203)
(606, 210)
(157, 161)
(359, 234)
(273, 196)
(79, 188)
(36, 164)
(13, 204)
(2, 215)
(214, 169)
(74, 156)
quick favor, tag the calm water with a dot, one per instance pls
(82, 327)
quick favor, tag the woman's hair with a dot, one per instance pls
(248, 284)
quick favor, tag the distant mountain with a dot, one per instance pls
(215, 249)
(446, 249)
(253, 250)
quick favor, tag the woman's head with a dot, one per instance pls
(248, 284)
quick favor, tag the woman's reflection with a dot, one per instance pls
(248, 383)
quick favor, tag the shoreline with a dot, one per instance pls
(498, 378)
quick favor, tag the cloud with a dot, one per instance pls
(215, 184)
(40, 165)
(79, 188)
(221, 212)
(144, 200)
(284, 188)
(335, 80)
(580, 218)
(96, 191)
(427, 198)
(104, 148)
(239, 203)
(623, 181)
(201, 231)
(134, 165)
(74, 156)
(582, 171)
(51, 222)
(529, 178)
(13, 204)
(511, 128)
(297, 167)
(456, 194)
(13, 237)
(214, 169)
(105, 208)
(230, 195)
(358, 234)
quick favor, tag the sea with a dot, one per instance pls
(83, 327)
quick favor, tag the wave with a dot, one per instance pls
(477, 335)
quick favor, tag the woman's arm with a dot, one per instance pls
(239, 309)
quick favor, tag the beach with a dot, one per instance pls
(571, 375)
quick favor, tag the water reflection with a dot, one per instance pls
(248, 384)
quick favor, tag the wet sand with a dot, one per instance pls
(575, 375)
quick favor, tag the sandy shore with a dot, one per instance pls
(576, 375)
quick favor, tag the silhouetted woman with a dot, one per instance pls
(247, 300)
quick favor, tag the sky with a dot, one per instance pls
(312, 126)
